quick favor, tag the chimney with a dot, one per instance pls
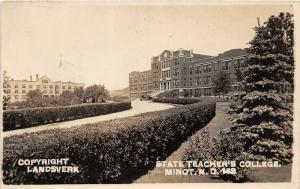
(191, 53)
(36, 77)
(30, 77)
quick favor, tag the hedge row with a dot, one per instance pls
(177, 100)
(105, 152)
(16, 119)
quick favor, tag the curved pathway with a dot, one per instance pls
(138, 107)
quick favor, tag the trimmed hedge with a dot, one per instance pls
(183, 101)
(16, 119)
(105, 152)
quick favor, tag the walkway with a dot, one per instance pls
(157, 175)
(138, 107)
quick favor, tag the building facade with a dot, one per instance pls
(140, 83)
(17, 90)
(169, 68)
(188, 73)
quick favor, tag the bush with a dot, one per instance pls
(183, 101)
(203, 148)
(105, 152)
(16, 119)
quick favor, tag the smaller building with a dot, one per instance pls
(140, 83)
(17, 90)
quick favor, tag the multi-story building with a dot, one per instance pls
(16, 90)
(140, 83)
(189, 73)
(170, 68)
(202, 73)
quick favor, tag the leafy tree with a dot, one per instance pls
(68, 97)
(34, 94)
(221, 83)
(79, 92)
(263, 122)
(95, 93)
(6, 99)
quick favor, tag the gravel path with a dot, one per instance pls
(157, 175)
(138, 107)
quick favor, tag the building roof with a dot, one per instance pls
(227, 54)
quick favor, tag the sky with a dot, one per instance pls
(98, 43)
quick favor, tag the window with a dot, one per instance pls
(225, 65)
(16, 91)
(23, 96)
(176, 83)
(16, 97)
(16, 86)
(63, 87)
(51, 91)
(23, 91)
(69, 87)
(198, 70)
(184, 71)
(23, 86)
(198, 81)
(209, 68)
(30, 86)
(216, 66)
(176, 61)
(191, 71)
(38, 86)
(8, 85)
(191, 82)
(45, 86)
(50, 86)
(44, 81)
(8, 91)
(44, 91)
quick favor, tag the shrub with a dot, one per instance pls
(15, 119)
(105, 152)
(202, 148)
(183, 101)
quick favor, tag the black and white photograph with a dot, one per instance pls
(121, 92)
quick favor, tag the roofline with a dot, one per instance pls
(216, 61)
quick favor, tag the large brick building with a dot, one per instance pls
(16, 90)
(189, 73)
(140, 83)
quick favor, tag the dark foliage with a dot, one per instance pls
(105, 152)
(22, 118)
(176, 100)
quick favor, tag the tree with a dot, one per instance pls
(79, 92)
(6, 99)
(221, 83)
(263, 122)
(34, 94)
(68, 97)
(95, 93)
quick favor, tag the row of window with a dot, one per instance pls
(225, 66)
(198, 81)
(39, 86)
(166, 73)
(17, 97)
(24, 91)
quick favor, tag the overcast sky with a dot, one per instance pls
(103, 43)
